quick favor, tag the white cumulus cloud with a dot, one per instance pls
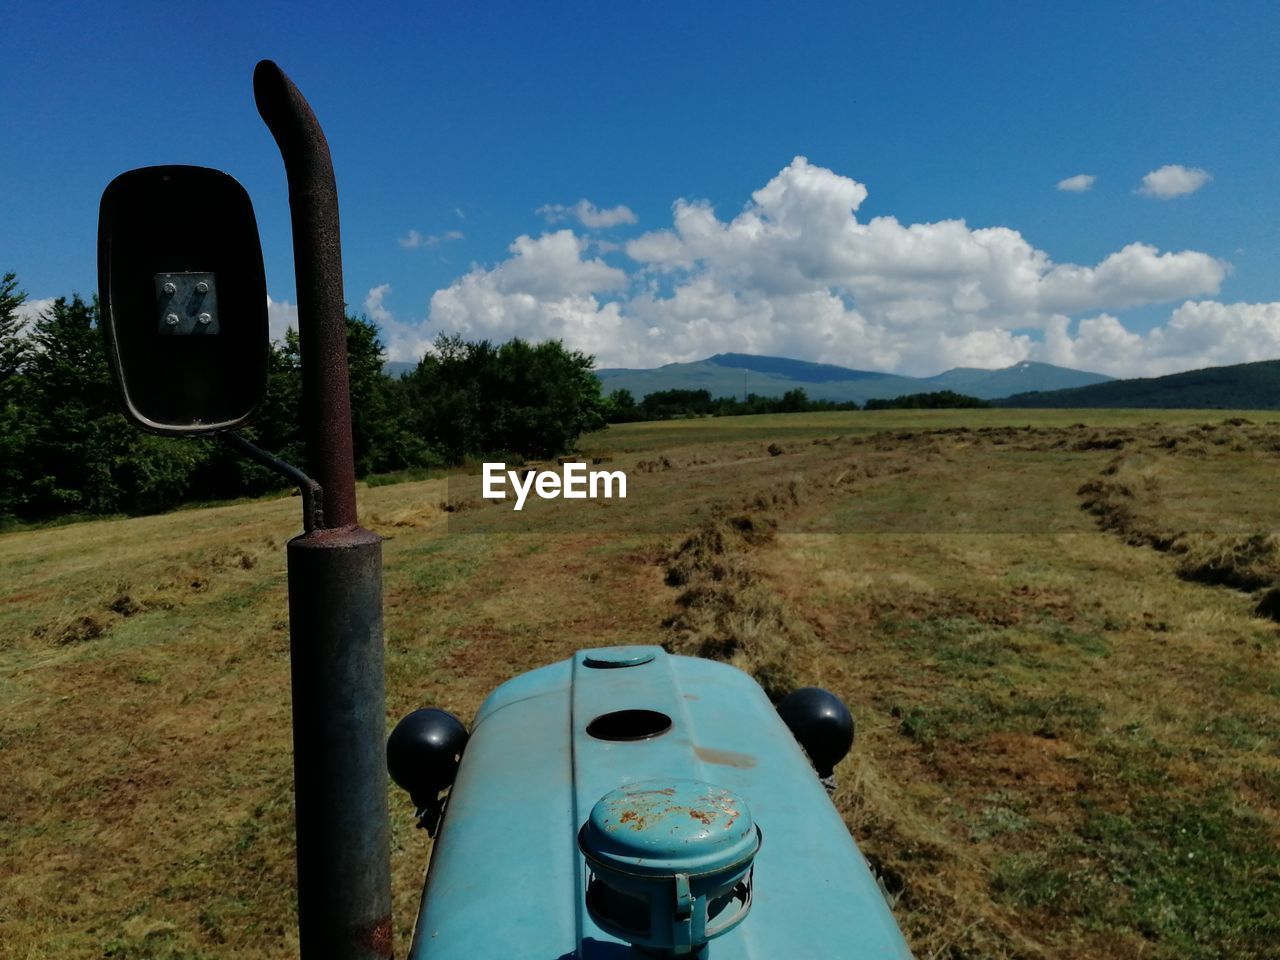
(797, 273)
(587, 214)
(1173, 180)
(546, 290)
(1199, 333)
(1077, 184)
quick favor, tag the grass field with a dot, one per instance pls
(1056, 630)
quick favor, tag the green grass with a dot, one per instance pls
(1064, 749)
(667, 434)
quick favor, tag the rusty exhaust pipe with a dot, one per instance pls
(335, 587)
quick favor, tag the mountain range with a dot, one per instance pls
(737, 374)
(1241, 386)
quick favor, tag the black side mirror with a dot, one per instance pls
(184, 298)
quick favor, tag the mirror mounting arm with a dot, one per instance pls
(312, 492)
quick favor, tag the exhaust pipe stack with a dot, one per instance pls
(335, 587)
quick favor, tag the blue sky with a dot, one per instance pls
(769, 179)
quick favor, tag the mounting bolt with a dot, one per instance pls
(204, 318)
(170, 288)
(171, 319)
(202, 287)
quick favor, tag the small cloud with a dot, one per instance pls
(373, 303)
(413, 239)
(403, 340)
(281, 316)
(1077, 184)
(457, 212)
(588, 214)
(1173, 180)
(31, 310)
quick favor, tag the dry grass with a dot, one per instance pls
(1067, 733)
(725, 612)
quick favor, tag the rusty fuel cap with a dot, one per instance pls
(671, 863)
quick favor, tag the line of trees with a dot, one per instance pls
(938, 400)
(621, 406)
(66, 449)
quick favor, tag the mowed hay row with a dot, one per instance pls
(1133, 499)
(725, 611)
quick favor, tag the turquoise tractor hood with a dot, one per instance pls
(741, 854)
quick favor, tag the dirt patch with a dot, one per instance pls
(1040, 764)
(1045, 601)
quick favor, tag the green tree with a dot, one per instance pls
(383, 436)
(64, 447)
(665, 404)
(794, 401)
(549, 397)
(14, 346)
(380, 427)
(620, 407)
(278, 424)
(15, 426)
(939, 400)
(76, 435)
(450, 393)
(534, 400)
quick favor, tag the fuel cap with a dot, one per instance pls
(614, 657)
(671, 863)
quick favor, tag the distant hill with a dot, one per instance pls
(737, 374)
(398, 368)
(1241, 386)
(1019, 378)
(801, 370)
